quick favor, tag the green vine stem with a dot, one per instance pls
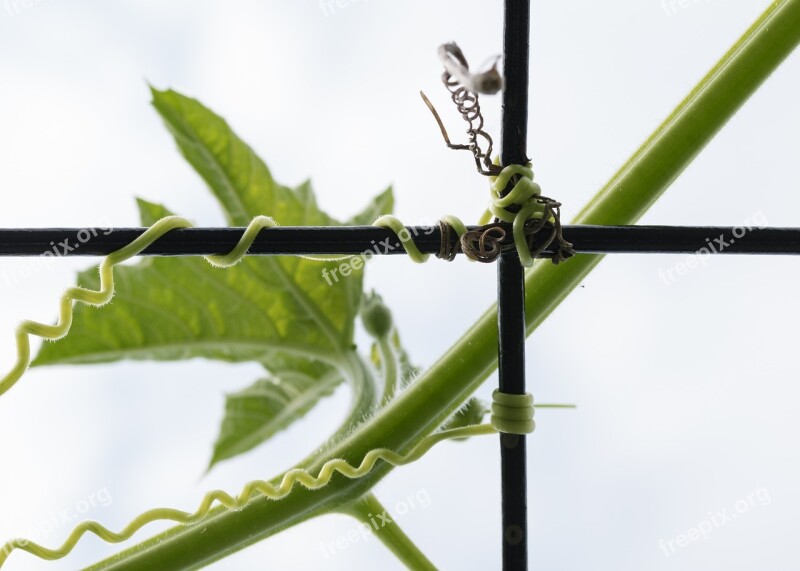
(295, 477)
(388, 368)
(377, 320)
(365, 510)
(443, 388)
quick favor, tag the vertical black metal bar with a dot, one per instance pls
(511, 289)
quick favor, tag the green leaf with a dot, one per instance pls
(238, 178)
(181, 308)
(256, 413)
(380, 205)
(278, 311)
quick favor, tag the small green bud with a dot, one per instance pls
(376, 316)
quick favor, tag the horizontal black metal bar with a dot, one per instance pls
(381, 241)
(683, 240)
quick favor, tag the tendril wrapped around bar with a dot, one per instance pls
(523, 206)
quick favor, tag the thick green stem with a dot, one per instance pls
(369, 511)
(438, 393)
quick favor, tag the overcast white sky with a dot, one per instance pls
(687, 396)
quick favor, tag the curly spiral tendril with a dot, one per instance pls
(464, 87)
(512, 414)
(106, 291)
(468, 105)
(250, 491)
(394, 224)
(524, 207)
(482, 248)
(528, 212)
(484, 244)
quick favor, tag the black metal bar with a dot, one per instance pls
(369, 239)
(683, 239)
(380, 241)
(511, 289)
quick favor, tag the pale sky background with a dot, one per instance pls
(687, 394)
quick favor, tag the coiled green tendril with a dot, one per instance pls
(250, 491)
(395, 225)
(512, 414)
(259, 487)
(523, 195)
(106, 291)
